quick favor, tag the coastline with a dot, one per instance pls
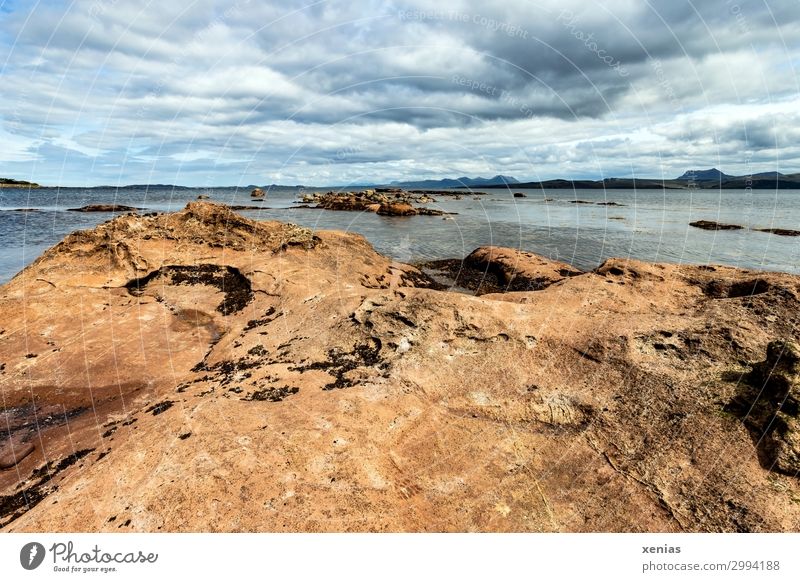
(375, 399)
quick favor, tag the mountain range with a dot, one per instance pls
(463, 182)
(699, 179)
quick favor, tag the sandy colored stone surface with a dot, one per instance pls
(200, 371)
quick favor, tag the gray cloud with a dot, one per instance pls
(105, 90)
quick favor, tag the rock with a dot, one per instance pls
(257, 193)
(104, 208)
(366, 390)
(422, 211)
(518, 270)
(519, 195)
(779, 231)
(396, 209)
(343, 202)
(203, 196)
(711, 225)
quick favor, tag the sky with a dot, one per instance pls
(207, 93)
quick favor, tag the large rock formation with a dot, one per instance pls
(202, 371)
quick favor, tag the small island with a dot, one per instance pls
(11, 183)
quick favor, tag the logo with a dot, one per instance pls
(31, 555)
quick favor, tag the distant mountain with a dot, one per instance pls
(457, 182)
(713, 178)
(705, 175)
(608, 183)
(770, 175)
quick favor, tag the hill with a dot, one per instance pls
(11, 183)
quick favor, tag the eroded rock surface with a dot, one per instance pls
(202, 371)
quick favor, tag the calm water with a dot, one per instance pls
(652, 225)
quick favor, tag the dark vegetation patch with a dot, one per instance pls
(258, 350)
(272, 394)
(29, 419)
(157, 409)
(339, 363)
(236, 287)
(17, 504)
(269, 317)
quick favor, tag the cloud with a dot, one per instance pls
(101, 91)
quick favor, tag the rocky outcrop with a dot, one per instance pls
(257, 193)
(396, 209)
(518, 270)
(200, 371)
(386, 202)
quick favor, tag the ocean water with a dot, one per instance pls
(651, 225)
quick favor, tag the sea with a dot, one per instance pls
(574, 226)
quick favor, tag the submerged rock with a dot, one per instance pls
(711, 225)
(779, 231)
(105, 208)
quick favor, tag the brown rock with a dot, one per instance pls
(396, 209)
(373, 400)
(257, 193)
(518, 270)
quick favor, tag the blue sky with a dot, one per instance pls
(325, 92)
